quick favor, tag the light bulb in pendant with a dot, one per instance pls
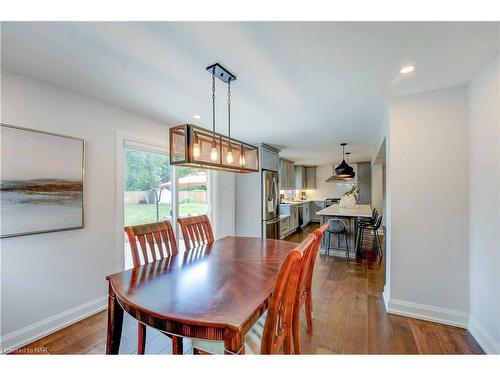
(229, 157)
(214, 155)
(242, 160)
(196, 148)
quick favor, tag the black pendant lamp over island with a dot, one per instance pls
(197, 147)
(344, 170)
(353, 173)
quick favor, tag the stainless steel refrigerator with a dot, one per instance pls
(270, 205)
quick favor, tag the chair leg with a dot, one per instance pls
(141, 338)
(177, 345)
(296, 330)
(309, 313)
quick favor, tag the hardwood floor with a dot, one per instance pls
(348, 318)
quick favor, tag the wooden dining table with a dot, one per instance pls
(213, 292)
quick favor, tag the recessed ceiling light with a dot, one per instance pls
(407, 69)
(197, 116)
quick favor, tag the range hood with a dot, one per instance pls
(334, 177)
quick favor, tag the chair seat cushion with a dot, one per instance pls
(252, 340)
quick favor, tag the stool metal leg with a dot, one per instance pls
(327, 244)
(347, 247)
(361, 235)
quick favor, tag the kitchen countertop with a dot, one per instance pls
(300, 202)
(360, 210)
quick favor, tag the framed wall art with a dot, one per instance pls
(41, 182)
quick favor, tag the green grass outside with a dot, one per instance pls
(146, 213)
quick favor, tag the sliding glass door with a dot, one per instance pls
(154, 191)
(148, 178)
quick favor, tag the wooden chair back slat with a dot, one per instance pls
(151, 237)
(159, 244)
(278, 327)
(196, 230)
(151, 242)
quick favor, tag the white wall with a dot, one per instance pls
(329, 189)
(223, 203)
(377, 200)
(428, 192)
(48, 280)
(484, 199)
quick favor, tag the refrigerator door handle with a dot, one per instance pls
(272, 221)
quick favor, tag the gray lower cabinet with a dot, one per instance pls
(316, 206)
(293, 219)
(364, 182)
(306, 213)
(284, 227)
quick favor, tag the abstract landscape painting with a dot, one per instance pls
(41, 182)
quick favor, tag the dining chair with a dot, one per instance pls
(272, 332)
(156, 241)
(304, 290)
(196, 230)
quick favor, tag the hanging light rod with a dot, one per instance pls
(196, 147)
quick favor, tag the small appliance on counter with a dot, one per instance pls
(330, 201)
(303, 196)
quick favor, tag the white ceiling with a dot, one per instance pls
(304, 87)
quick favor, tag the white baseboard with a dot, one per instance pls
(385, 296)
(33, 332)
(482, 336)
(428, 312)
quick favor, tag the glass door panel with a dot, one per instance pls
(147, 190)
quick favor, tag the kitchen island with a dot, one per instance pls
(350, 218)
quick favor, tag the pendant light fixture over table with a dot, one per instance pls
(196, 147)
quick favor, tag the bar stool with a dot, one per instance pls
(370, 226)
(336, 227)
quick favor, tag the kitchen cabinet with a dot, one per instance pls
(364, 182)
(315, 207)
(310, 177)
(287, 175)
(305, 177)
(284, 227)
(306, 213)
(293, 220)
(269, 158)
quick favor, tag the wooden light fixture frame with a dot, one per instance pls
(188, 131)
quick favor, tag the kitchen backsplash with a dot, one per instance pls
(323, 189)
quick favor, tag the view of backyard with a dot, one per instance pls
(146, 213)
(148, 186)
